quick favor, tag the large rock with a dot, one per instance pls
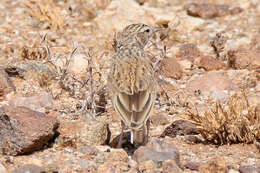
(157, 151)
(84, 133)
(38, 102)
(23, 130)
(6, 86)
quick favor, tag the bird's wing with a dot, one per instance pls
(134, 95)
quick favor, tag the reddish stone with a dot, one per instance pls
(23, 130)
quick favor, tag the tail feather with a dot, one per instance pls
(140, 136)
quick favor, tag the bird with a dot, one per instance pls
(131, 82)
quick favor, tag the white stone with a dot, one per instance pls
(78, 64)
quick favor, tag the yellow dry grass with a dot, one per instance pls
(237, 122)
(46, 12)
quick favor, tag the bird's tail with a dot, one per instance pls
(140, 136)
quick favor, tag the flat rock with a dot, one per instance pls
(84, 133)
(180, 127)
(157, 151)
(23, 130)
(6, 85)
(38, 102)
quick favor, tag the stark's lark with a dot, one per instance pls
(131, 82)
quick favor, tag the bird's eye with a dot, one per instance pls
(147, 30)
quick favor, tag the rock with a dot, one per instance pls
(180, 127)
(209, 63)
(208, 11)
(77, 134)
(36, 71)
(189, 51)
(37, 102)
(118, 155)
(78, 64)
(170, 166)
(157, 151)
(113, 167)
(2, 168)
(6, 86)
(244, 58)
(214, 165)
(23, 130)
(119, 14)
(170, 68)
(149, 166)
(88, 150)
(30, 168)
(194, 166)
(213, 81)
(101, 158)
(87, 166)
(248, 169)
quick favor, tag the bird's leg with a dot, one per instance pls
(119, 145)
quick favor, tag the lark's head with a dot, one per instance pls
(140, 33)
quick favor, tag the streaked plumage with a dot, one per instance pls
(131, 81)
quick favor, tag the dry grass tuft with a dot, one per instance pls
(46, 12)
(31, 53)
(237, 122)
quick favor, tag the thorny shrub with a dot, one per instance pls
(235, 122)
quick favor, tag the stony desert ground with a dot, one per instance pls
(56, 115)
